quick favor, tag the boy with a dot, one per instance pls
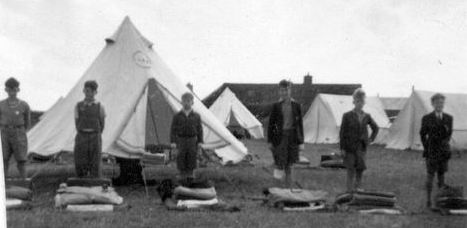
(354, 140)
(285, 131)
(89, 122)
(187, 136)
(435, 135)
(15, 119)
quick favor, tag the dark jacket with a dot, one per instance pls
(353, 131)
(186, 126)
(435, 136)
(276, 122)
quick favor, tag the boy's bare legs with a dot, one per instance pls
(186, 175)
(288, 176)
(440, 179)
(429, 188)
(358, 179)
(21, 168)
(350, 179)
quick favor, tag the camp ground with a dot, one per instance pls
(260, 67)
(142, 94)
(323, 119)
(404, 132)
(230, 111)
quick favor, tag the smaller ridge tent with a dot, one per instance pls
(230, 111)
(404, 132)
(323, 119)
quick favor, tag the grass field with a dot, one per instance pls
(399, 171)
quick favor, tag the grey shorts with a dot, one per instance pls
(14, 143)
(286, 153)
(436, 166)
(187, 158)
(356, 160)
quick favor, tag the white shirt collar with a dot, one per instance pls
(187, 112)
(90, 102)
(439, 114)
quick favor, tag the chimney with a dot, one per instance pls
(307, 80)
(190, 86)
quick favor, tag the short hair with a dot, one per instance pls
(91, 84)
(187, 96)
(285, 84)
(359, 94)
(12, 83)
(437, 96)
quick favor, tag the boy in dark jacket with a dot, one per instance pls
(89, 122)
(354, 140)
(285, 131)
(435, 135)
(187, 136)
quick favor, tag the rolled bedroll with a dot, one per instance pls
(333, 164)
(286, 195)
(17, 204)
(376, 193)
(182, 192)
(372, 198)
(451, 203)
(359, 199)
(88, 182)
(86, 195)
(16, 192)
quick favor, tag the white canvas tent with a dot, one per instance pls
(51, 107)
(404, 132)
(230, 111)
(393, 103)
(322, 121)
(140, 94)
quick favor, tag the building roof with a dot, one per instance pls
(258, 97)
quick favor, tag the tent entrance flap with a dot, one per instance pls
(159, 116)
(131, 140)
(150, 122)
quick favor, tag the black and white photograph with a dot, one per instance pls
(233, 113)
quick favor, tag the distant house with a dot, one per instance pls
(393, 105)
(259, 97)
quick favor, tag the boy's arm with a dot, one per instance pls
(76, 116)
(342, 131)
(451, 120)
(374, 129)
(27, 117)
(102, 117)
(272, 123)
(173, 127)
(300, 124)
(199, 130)
(424, 132)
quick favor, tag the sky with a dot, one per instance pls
(386, 45)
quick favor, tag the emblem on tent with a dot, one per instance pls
(142, 59)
